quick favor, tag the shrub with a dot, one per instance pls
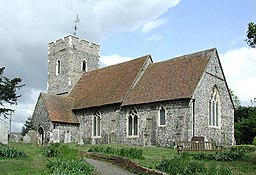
(60, 151)
(123, 152)
(218, 170)
(181, 166)
(51, 150)
(184, 166)
(244, 148)
(228, 156)
(68, 167)
(11, 152)
(254, 141)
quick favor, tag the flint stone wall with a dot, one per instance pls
(224, 134)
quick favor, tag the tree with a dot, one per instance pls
(251, 35)
(235, 99)
(8, 94)
(245, 124)
(27, 126)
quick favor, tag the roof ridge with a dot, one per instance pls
(187, 55)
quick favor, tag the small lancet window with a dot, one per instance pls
(162, 117)
(214, 108)
(96, 124)
(58, 67)
(84, 66)
(133, 123)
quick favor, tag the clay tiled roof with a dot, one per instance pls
(59, 108)
(107, 85)
(169, 80)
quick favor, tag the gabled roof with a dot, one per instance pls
(169, 80)
(59, 108)
(107, 85)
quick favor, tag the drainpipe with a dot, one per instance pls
(193, 117)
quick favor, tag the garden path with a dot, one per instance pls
(106, 168)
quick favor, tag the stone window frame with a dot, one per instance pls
(58, 66)
(84, 66)
(214, 106)
(131, 114)
(96, 125)
(159, 117)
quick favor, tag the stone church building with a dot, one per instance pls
(137, 102)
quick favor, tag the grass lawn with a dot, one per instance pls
(153, 154)
(34, 163)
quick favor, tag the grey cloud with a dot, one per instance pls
(27, 26)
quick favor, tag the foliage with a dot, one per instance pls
(123, 152)
(68, 167)
(60, 151)
(251, 35)
(27, 126)
(184, 166)
(245, 124)
(6, 151)
(244, 148)
(8, 94)
(254, 141)
(227, 156)
(235, 99)
(64, 160)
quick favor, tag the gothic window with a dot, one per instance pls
(84, 66)
(133, 123)
(58, 67)
(162, 117)
(214, 108)
(96, 125)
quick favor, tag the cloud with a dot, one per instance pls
(154, 38)
(27, 26)
(239, 68)
(113, 59)
(154, 24)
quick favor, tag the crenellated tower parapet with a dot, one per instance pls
(73, 42)
(68, 59)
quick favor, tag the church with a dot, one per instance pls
(137, 102)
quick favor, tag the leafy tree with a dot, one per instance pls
(245, 124)
(251, 35)
(27, 126)
(8, 94)
(235, 99)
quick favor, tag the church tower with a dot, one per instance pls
(68, 59)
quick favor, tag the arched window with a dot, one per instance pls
(96, 125)
(84, 66)
(133, 123)
(58, 67)
(214, 108)
(162, 117)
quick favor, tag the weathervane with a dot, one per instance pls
(76, 22)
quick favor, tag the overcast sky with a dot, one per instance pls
(125, 29)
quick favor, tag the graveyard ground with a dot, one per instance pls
(35, 162)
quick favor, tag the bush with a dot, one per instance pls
(123, 152)
(227, 156)
(244, 148)
(68, 167)
(184, 166)
(60, 151)
(11, 152)
(51, 150)
(254, 141)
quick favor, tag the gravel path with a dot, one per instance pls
(106, 168)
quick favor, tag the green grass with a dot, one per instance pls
(154, 154)
(34, 163)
